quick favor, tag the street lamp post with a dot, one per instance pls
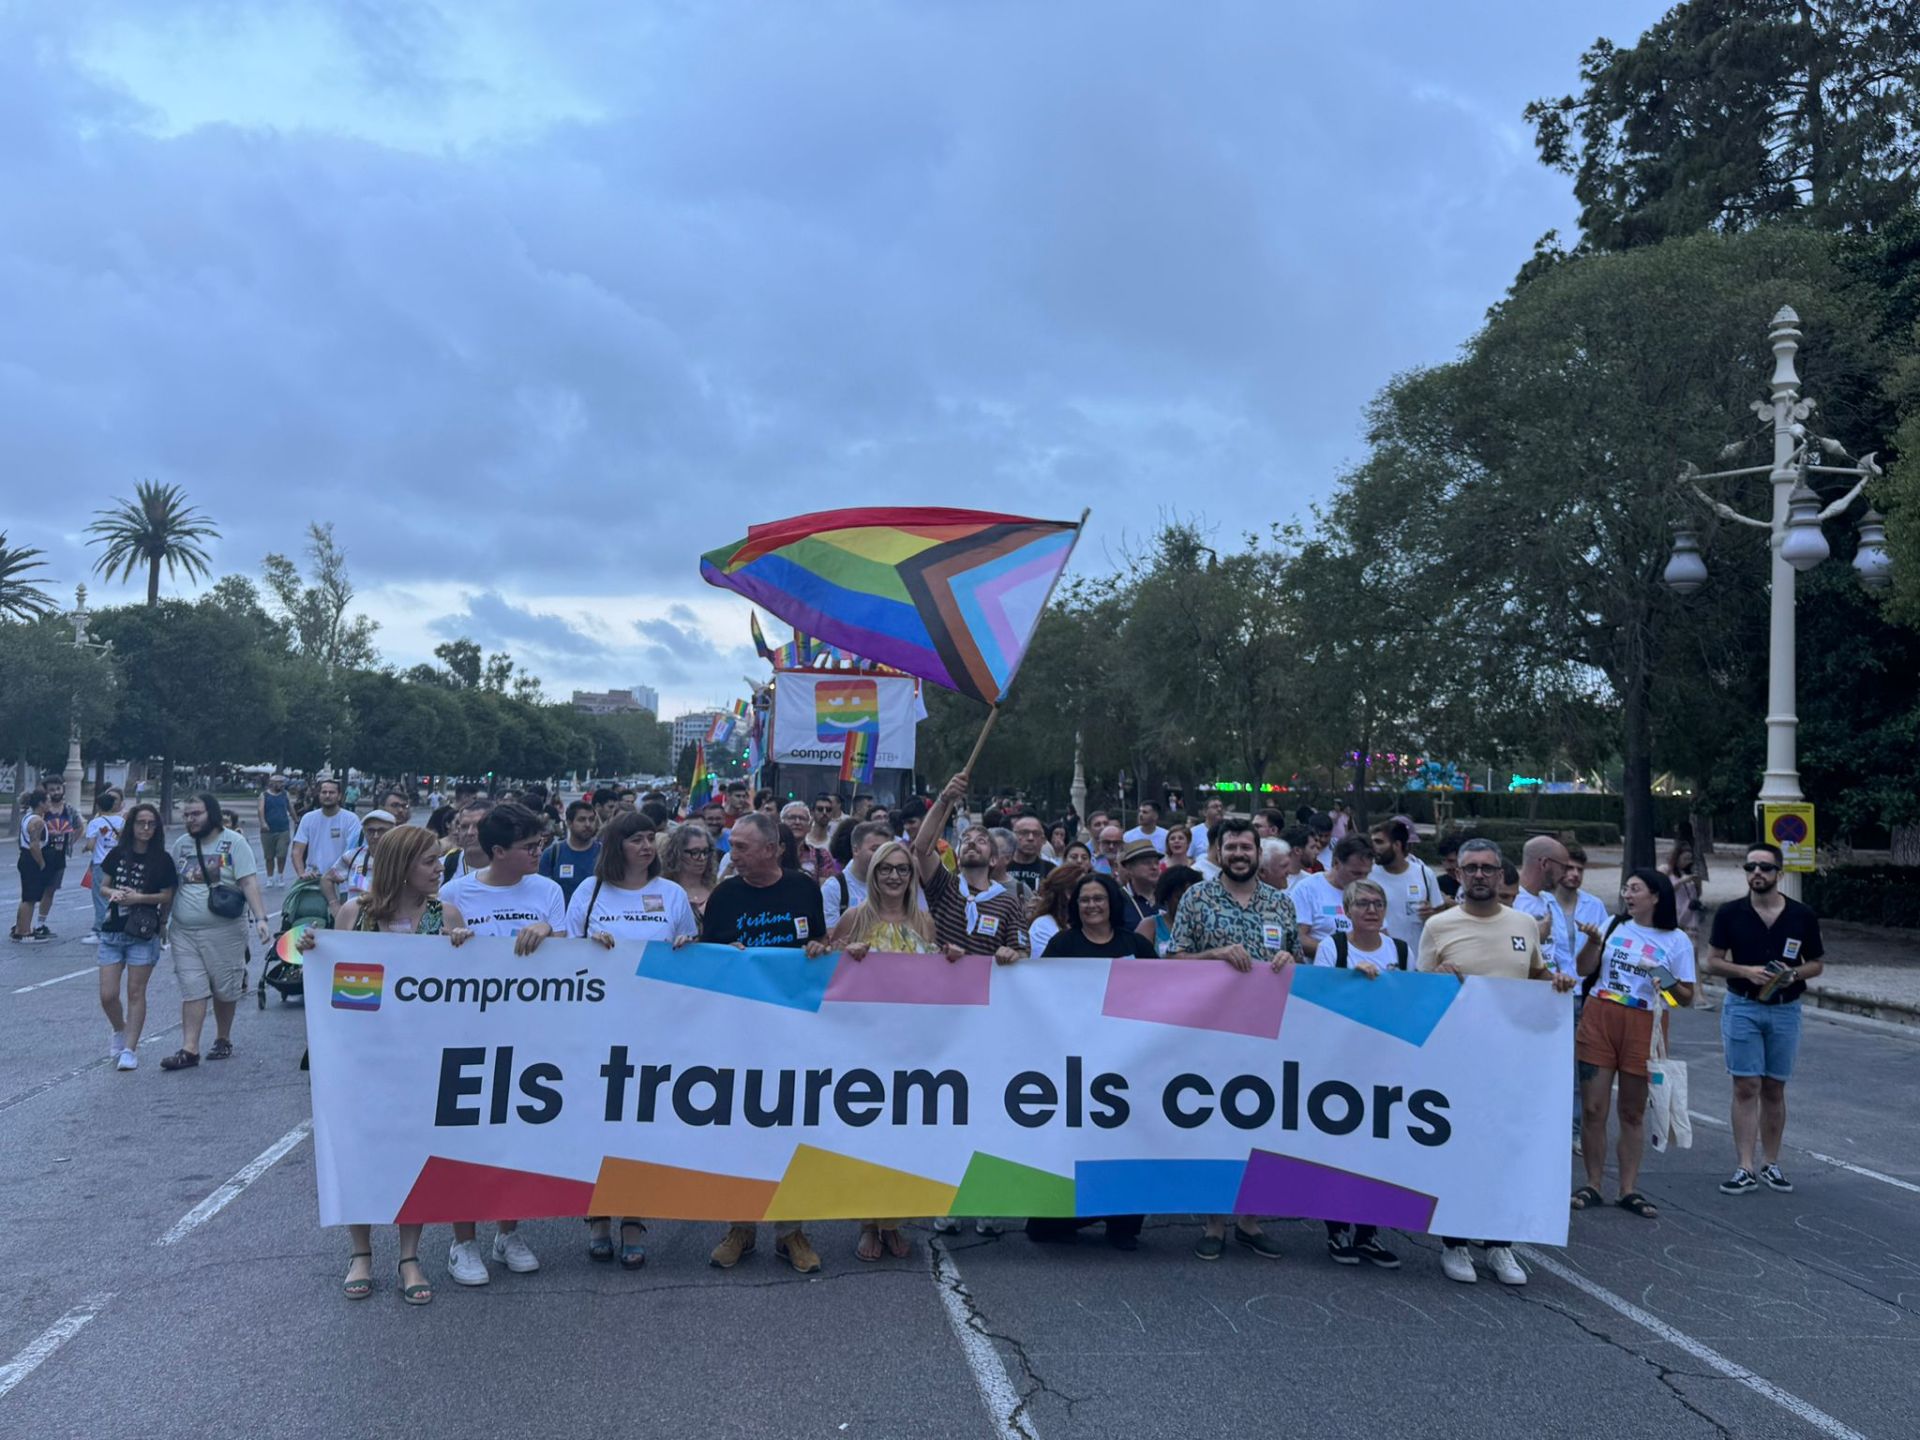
(74, 774)
(1795, 540)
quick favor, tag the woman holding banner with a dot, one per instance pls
(402, 898)
(628, 899)
(893, 920)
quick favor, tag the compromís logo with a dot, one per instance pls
(846, 707)
(358, 987)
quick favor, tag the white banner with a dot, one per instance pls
(814, 713)
(713, 1083)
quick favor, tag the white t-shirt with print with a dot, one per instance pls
(1407, 892)
(1321, 908)
(507, 909)
(327, 837)
(658, 910)
(1559, 948)
(1158, 837)
(103, 833)
(1627, 960)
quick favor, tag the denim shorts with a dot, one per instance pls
(118, 949)
(1760, 1039)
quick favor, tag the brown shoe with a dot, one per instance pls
(738, 1242)
(798, 1252)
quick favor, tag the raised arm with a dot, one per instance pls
(926, 854)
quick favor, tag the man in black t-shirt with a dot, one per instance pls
(1028, 865)
(1767, 947)
(760, 906)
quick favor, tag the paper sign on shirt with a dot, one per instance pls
(800, 926)
(1792, 949)
(657, 905)
(1275, 936)
(566, 870)
(987, 925)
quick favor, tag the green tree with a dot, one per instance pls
(1727, 114)
(43, 668)
(315, 610)
(1544, 464)
(157, 527)
(462, 662)
(21, 597)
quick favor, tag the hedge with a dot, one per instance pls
(1867, 894)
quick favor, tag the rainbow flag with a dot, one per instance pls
(700, 787)
(721, 731)
(951, 596)
(856, 758)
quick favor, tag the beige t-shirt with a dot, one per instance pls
(1504, 944)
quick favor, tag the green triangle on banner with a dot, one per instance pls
(993, 1186)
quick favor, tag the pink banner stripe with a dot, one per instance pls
(1198, 995)
(889, 979)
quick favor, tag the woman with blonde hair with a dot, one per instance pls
(893, 919)
(402, 898)
(687, 859)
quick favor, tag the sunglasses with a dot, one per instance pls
(1760, 867)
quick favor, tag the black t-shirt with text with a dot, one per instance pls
(1031, 872)
(143, 874)
(1749, 940)
(783, 915)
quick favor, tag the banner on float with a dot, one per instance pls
(814, 713)
(710, 1083)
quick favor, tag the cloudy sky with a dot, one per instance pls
(537, 301)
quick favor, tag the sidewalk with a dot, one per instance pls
(1872, 970)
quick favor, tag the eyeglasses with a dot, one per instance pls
(1479, 869)
(1366, 905)
(893, 869)
(1760, 867)
(534, 848)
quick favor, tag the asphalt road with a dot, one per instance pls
(130, 1305)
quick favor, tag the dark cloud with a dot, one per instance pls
(498, 624)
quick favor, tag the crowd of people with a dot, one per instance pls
(742, 869)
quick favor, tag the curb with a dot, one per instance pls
(1854, 1012)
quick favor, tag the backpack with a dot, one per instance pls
(1400, 952)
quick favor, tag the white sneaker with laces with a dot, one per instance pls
(116, 1043)
(511, 1251)
(128, 1061)
(984, 1226)
(465, 1265)
(1506, 1269)
(945, 1225)
(1457, 1262)
(90, 938)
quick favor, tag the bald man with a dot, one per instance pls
(1543, 861)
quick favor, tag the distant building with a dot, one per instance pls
(648, 697)
(610, 702)
(691, 728)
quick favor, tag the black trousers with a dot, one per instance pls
(1068, 1227)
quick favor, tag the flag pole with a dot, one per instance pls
(993, 712)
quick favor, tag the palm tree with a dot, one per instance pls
(20, 597)
(156, 526)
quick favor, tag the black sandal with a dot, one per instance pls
(599, 1247)
(359, 1289)
(420, 1294)
(632, 1256)
(1586, 1196)
(1638, 1204)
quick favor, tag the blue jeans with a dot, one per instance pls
(117, 949)
(99, 899)
(1759, 1039)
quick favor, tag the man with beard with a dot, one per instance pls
(970, 909)
(1481, 936)
(1768, 947)
(1240, 919)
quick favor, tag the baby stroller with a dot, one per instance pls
(303, 904)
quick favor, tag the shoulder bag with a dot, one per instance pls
(225, 899)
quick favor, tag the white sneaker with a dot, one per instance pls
(945, 1225)
(465, 1265)
(1457, 1262)
(1506, 1269)
(117, 1044)
(511, 1251)
(127, 1061)
(984, 1226)
(89, 939)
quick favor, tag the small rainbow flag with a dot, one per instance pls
(722, 730)
(951, 596)
(701, 785)
(856, 758)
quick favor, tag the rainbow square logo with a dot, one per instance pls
(845, 707)
(358, 987)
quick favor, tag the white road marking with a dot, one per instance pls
(70, 975)
(40, 1349)
(1706, 1354)
(1862, 1170)
(996, 1386)
(1830, 1160)
(229, 1192)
